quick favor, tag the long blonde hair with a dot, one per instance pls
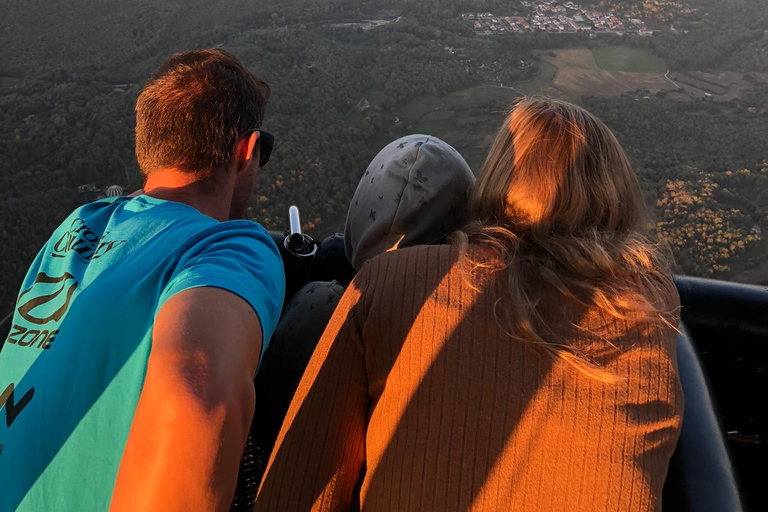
(559, 206)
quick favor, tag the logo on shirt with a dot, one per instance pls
(81, 241)
(12, 407)
(48, 299)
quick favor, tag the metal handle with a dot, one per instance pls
(295, 240)
(297, 243)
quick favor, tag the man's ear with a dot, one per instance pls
(244, 151)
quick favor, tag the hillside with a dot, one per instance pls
(71, 72)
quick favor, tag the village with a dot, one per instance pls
(554, 17)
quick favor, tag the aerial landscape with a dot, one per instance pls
(556, 282)
(683, 84)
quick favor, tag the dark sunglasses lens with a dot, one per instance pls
(265, 148)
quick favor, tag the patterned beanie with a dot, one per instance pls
(414, 192)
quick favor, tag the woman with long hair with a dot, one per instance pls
(528, 366)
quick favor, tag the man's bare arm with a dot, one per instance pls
(196, 406)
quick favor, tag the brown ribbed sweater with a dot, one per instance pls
(415, 379)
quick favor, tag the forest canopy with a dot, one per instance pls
(71, 73)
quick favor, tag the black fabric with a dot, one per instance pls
(305, 317)
(701, 476)
(303, 322)
(331, 262)
(308, 309)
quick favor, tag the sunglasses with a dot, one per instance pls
(266, 143)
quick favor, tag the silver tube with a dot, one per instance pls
(293, 221)
(295, 238)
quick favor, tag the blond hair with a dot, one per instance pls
(559, 207)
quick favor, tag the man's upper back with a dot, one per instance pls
(72, 369)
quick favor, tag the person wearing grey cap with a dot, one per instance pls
(414, 192)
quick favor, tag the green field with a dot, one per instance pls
(632, 60)
(543, 78)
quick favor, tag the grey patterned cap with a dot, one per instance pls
(415, 191)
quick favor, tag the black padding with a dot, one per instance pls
(701, 476)
(297, 270)
(734, 307)
(331, 263)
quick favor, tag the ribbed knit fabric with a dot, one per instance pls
(415, 378)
